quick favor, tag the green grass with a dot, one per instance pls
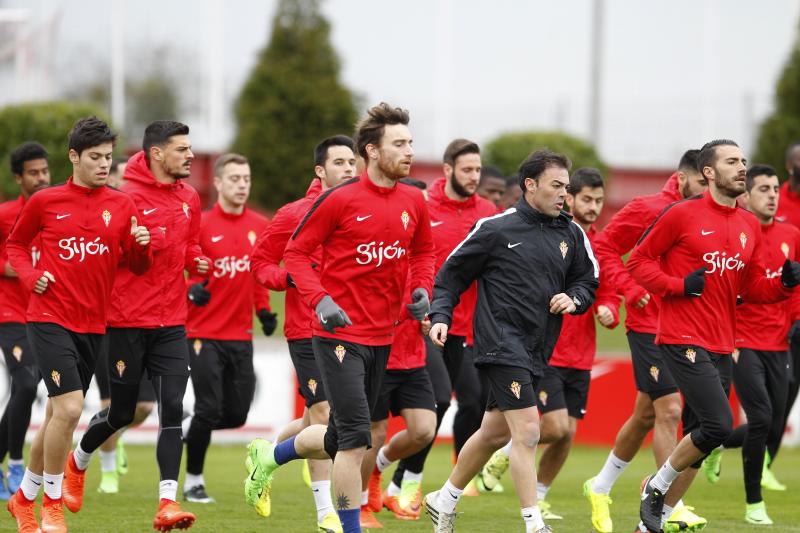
(133, 508)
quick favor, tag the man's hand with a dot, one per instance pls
(604, 315)
(331, 316)
(140, 233)
(561, 304)
(438, 334)
(694, 283)
(420, 304)
(426, 325)
(790, 277)
(198, 294)
(202, 265)
(9, 271)
(269, 321)
(43, 282)
(636, 296)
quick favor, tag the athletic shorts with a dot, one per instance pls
(404, 389)
(564, 388)
(222, 376)
(159, 351)
(510, 387)
(15, 346)
(146, 391)
(685, 371)
(65, 359)
(650, 372)
(352, 374)
(309, 377)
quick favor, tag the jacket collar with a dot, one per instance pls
(534, 216)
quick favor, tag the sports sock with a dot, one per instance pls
(408, 475)
(664, 477)
(168, 490)
(364, 497)
(541, 491)
(612, 469)
(533, 519)
(193, 480)
(285, 452)
(381, 462)
(350, 520)
(392, 489)
(31, 483)
(666, 512)
(448, 497)
(52, 485)
(82, 458)
(507, 449)
(322, 498)
(108, 461)
(12, 462)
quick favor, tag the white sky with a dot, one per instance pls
(675, 73)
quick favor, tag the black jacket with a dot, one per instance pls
(521, 259)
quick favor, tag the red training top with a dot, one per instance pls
(699, 232)
(228, 239)
(84, 233)
(788, 205)
(372, 239)
(172, 214)
(13, 296)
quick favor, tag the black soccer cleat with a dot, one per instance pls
(651, 506)
(197, 494)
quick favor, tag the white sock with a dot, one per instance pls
(31, 483)
(322, 498)
(364, 497)
(533, 519)
(393, 490)
(15, 462)
(52, 485)
(679, 504)
(666, 512)
(612, 469)
(412, 476)
(506, 449)
(168, 490)
(448, 497)
(641, 527)
(82, 458)
(381, 461)
(193, 480)
(541, 491)
(186, 423)
(108, 461)
(664, 477)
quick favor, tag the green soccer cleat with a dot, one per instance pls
(684, 519)
(122, 458)
(492, 471)
(547, 513)
(260, 464)
(712, 466)
(330, 524)
(109, 483)
(306, 474)
(768, 479)
(756, 513)
(601, 512)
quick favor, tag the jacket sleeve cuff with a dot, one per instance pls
(675, 286)
(440, 318)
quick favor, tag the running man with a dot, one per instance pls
(492, 185)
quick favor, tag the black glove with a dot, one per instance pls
(794, 334)
(790, 277)
(331, 316)
(269, 321)
(694, 283)
(290, 281)
(420, 304)
(198, 294)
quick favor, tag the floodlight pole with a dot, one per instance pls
(596, 65)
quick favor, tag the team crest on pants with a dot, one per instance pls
(251, 236)
(56, 377)
(312, 386)
(743, 239)
(16, 351)
(198, 345)
(339, 351)
(564, 249)
(654, 373)
(106, 216)
(404, 218)
(735, 355)
(785, 249)
(120, 367)
(691, 355)
(543, 397)
(515, 389)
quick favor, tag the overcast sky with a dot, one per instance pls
(675, 74)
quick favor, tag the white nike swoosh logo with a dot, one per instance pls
(514, 245)
(704, 232)
(359, 219)
(322, 320)
(59, 217)
(148, 211)
(162, 228)
(217, 238)
(434, 224)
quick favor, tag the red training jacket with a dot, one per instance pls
(451, 221)
(577, 342)
(766, 326)
(788, 205)
(372, 239)
(267, 257)
(84, 233)
(172, 214)
(228, 239)
(699, 232)
(618, 238)
(13, 296)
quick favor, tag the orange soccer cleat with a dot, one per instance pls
(22, 509)
(72, 487)
(374, 502)
(170, 516)
(392, 503)
(368, 520)
(53, 516)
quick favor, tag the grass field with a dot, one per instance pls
(133, 508)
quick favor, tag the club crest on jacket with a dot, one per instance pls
(785, 249)
(564, 249)
(404, 218)
(106, 216)
(743, 239)
(251, 236)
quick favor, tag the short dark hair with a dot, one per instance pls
(791, 148)
(536, 163)
(584, 177)
(27, 151)
(419, 184)
(458, 148)
(491, 171)
(225, 159)
(370, 130)
(321, 150)
(708, 153)
(756, 171)
(689, 160)
(159, 132)
(88, 132)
